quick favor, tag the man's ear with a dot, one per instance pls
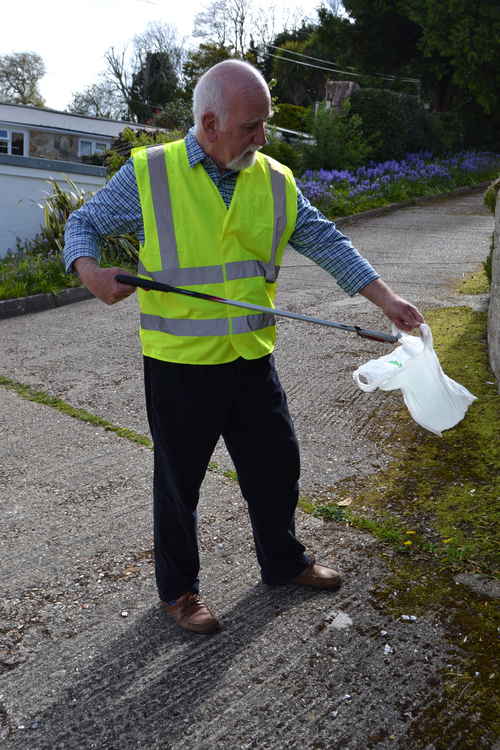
(210, 126)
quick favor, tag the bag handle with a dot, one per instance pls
(426, 335)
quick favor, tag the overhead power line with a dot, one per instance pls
(332, 67)
(308, 57)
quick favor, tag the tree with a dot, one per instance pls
(198, 61)
(156, 57)
(20, 73)
(161, 38)
(241, 25)
(297, 64)
(153, 85)
(226, 24)
(462, 37)
(452, 45)
(271, 20)
(296, 84)
(98, 100)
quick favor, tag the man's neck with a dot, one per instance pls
(207, 149)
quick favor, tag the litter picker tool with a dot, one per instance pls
(159, 287)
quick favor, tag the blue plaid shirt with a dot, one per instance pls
(115, 209)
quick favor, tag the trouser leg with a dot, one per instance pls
(185, 426)
(260, 437)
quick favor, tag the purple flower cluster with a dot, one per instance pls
(319, 185)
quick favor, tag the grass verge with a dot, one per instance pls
(476, 282)
(439, 495)
(435, 509)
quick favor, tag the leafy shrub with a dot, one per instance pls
(129, 139)
(284, 152)
(176, 115)
(293, 117)
(57, 206)
(481, 131)
(24, 273)
(490, 196)
(340, 142)
(395, 123)
(445, 132)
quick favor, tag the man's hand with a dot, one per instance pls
(403, 314)
(101, 281)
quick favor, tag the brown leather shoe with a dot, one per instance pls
(192, 614)
(319, 576)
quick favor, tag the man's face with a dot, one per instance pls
(242, 132)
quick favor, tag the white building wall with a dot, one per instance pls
(21, 190)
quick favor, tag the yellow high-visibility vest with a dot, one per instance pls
(193, 241)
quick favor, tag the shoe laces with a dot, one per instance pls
(191, 601)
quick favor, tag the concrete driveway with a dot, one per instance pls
(87, 659)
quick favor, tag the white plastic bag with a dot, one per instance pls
(435, 401)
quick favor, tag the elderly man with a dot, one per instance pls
(213, 214)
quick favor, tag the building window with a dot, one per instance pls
(89, 148)
(12, 142)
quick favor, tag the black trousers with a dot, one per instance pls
(189, 407)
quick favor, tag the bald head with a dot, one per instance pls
(231, 106)
(220, 85)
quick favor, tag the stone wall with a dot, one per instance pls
(48, 145)
(494, 309)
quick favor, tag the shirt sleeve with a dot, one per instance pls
(114, 209)
(317, 238)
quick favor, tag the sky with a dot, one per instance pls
(73, 37)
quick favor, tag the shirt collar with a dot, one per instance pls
(195, 153)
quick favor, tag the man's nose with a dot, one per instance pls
(261, 136)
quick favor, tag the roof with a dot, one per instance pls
(22, 115)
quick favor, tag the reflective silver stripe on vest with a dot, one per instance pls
(245, 269)
(249, 323)
(278, 186)
(185, 327)
(212, 327)
(186, 276)
(162, 207)
(240, 269)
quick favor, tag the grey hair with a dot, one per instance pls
(210, 94)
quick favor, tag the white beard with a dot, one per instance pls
(244, 160)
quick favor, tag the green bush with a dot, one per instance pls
(481, 131)
(24, 273)
(395, 123)
(445, 132)
(293, 117)
(284, 152)
(490, 196)
(340, 142)
(175, 115)
(129, 139)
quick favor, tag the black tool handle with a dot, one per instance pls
(143, 283)
(386, 338)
